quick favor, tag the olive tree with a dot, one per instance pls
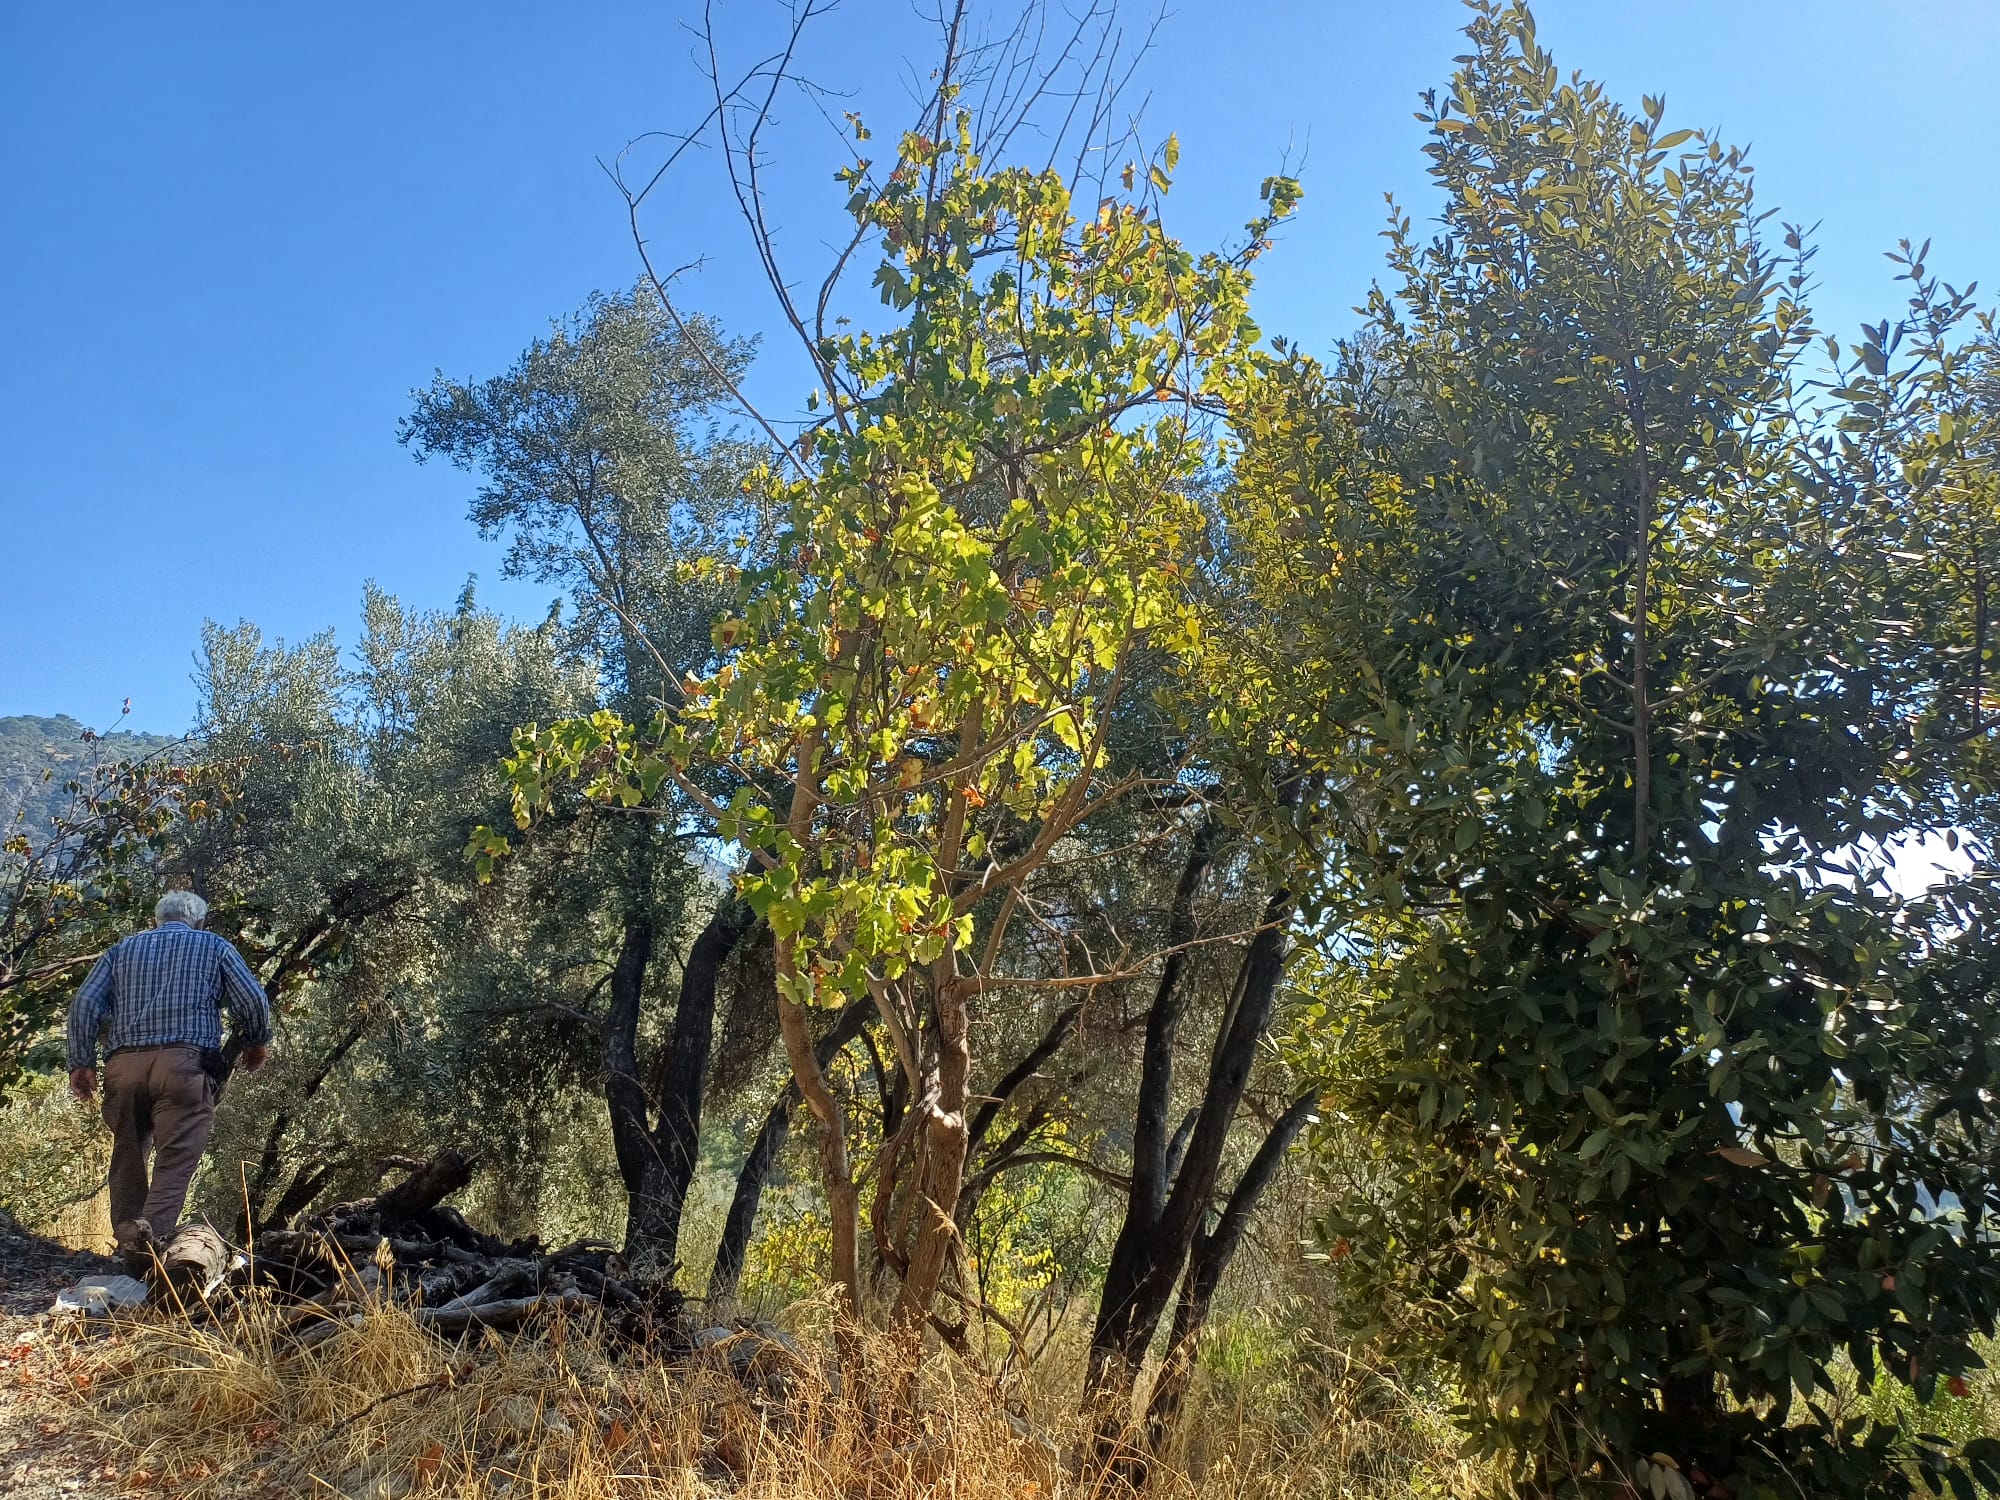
(605, 460)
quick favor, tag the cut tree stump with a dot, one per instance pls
(194, 1263)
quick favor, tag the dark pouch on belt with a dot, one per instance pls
(215, 1063)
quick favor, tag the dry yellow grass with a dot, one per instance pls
(382, 1409)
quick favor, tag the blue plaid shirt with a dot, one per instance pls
(166, 987)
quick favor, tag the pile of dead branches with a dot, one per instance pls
(409, 1247)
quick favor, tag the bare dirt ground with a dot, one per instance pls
(46, 1450)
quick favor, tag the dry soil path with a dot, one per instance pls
(46, 1452)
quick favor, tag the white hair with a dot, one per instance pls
(181, 906)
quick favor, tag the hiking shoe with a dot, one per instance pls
(136, 1245)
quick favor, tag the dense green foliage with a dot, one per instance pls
(1630, 657)
(604, 466)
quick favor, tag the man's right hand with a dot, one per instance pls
(253, 1057)
(83, 1083)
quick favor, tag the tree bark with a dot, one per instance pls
(1136, 1253)
(194, 1261)
(624, 1095)
(1156, 1069)
(727, 1273)
(306, 1185)
(672, 1148)
(836, 1171)
(942, 1170)
(1156, 1237)
(507, 1314)
(1230, 1062)
(1177, 1147)
(1208, 1259)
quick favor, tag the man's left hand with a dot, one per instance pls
(253, 1057)
(83, 1083)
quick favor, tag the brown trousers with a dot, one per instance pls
(156, 1099)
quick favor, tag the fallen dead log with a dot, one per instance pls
(325, 1327)
(195, 1262)
(603, 1287)
(508, 1314)
(583, 1247)
(509, 1279)
(408, 1252)
(353, 1263)
(436, 1285)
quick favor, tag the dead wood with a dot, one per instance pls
(193, 1264)
(428, 1186)
(507, 1314)
(407, 1247)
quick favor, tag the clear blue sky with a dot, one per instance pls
(235, 236)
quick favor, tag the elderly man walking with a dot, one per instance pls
(158, 996)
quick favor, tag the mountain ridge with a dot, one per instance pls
(41, 754)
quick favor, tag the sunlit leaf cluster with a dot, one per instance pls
(909, 703)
